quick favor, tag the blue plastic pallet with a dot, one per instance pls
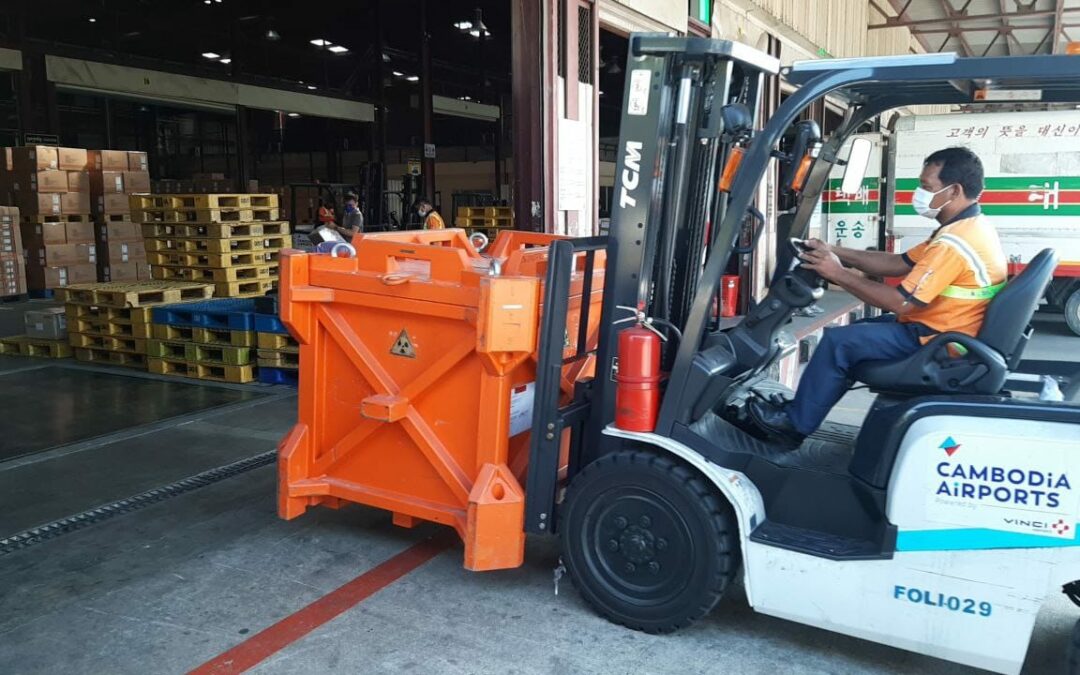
(279, 376)
(269, 323)
(223, 314)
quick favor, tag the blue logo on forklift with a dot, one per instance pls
(952, 603)
(1003, 485)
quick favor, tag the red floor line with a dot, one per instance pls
(295, 626)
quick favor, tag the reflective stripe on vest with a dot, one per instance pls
(961, 293)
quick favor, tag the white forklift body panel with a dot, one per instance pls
(984, 535)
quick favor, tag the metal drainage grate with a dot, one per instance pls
(41, 533)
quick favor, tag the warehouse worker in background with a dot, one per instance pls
(352, 222)
(949, 279)
(429, 216)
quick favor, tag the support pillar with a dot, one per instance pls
(426, 105)
(528, 91)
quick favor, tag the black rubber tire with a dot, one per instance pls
(1072, 652)
(641, 509)
(1072, 311)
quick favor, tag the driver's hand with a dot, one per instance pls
(817, 245)
(824, 262)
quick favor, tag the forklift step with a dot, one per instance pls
(823, 544)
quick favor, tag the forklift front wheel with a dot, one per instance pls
(647, 541)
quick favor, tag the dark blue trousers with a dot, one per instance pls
(826, 378)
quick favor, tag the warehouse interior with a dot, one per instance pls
(151, 375)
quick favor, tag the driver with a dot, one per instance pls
(948, 281)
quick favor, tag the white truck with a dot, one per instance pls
(1032, 193)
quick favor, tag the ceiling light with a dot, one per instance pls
(319, 42)
(294, 114)
(398, 73)
(386, 58)
(92, 20)
(273, 35)
(312, 87)
(211, 55)
(464, 98)
(463, 25)
(413, 78)
(206, 2)
(338, 49)
(226, 61)
(601, 93)
(217, 1)
(475, 33)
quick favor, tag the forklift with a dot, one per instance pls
(939, 526)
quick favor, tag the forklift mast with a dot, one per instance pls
(687, 104)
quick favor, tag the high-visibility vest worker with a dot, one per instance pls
(429, 216)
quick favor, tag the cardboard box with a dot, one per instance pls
(137, 161)
(34, 157)
(107, 182)
(78, 181)
(10, 232)
(45, 180)
(110, 232)
(12, 274)
(122, 251)
(72, 159)
(39, 278)
(39, 234)
(111, 204)
(36, 203)
(136, 181)
(136, 270)
(75, 202)
(49, 323)
(61, 255)
(107, 160)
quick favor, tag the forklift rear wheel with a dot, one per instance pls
(648, 542)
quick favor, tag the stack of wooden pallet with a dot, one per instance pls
(110, 322)
(232, 241)
(26, 345)
(212, 340)
(279, 352)
(486, 219)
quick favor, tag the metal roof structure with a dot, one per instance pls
(984, 27)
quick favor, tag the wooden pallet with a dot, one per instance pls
(202, 371)
(163, 349)
(139, 315)
(219, 354)
(219, 260)
(211, 230)
(113, 217)
(278, 359)
(204, 201)
(108, 328)
(244, 289)
(483, 222)
(216, 274)
(24, 345)
(112, 343)
(485, 212)
(277, 342)
(183, 245)
(111, 357)
(214, 336)
(161, 331)
(134, 294)
(197, 215)
(60, 218)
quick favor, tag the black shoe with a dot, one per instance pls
(774, 421)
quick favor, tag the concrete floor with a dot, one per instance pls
(168, 587)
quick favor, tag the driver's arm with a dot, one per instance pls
(874, 293)
(875, 263)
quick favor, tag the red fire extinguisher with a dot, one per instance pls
(637, 390)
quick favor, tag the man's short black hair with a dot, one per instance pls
(959, 166)
(351, 196)
(422, 202)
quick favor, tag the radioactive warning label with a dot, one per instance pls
(403, 346)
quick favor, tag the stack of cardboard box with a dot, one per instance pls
(114, 175)
(51, 187)
(12, 265)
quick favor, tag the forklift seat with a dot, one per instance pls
(986, 359)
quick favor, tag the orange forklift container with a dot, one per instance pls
(417, 364)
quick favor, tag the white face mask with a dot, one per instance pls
(921, 202)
